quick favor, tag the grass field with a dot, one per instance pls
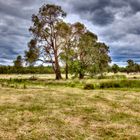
(53, 111)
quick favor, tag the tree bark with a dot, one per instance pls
(81, 75)
(57, 69)
(58, 72)
(66, 71)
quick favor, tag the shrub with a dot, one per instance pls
(120, 84)
(110, 84)
(89, 86)
(71, 84)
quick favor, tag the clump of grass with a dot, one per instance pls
(120, 84)
(89, 86)
(72, 84)
(16, 80)
(12, 85)
(24, 86)
(110, 84)
(4, 84)
(33, 78)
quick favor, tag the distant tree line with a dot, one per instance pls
(18, 68)
(131, 67)
(26, 70)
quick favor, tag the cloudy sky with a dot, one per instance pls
(116, 22)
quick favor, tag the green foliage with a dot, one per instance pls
(82, 84)
(26, 70)
(32, 55)
(132, 66)
(110, 84)
(120, 84)
(90, 56)
(18, 63)
(115, 68)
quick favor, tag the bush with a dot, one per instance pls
(120, 84)
(110, 84)
(89, 86)
(72, 84)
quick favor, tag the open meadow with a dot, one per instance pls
(69, 70)
(36, 107)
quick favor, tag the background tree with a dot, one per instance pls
(130, 66)
(78, 32)
(102, 59)
(18, 63)
(137, 67)
(90, 56)
(115, 68)
(32, 55)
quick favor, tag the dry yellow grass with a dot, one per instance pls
(26, 76)
(56, 113)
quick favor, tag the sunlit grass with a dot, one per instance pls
(41, 108)
(68, 113)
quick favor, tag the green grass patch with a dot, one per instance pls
(120, 84)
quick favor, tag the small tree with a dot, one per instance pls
(18, 63)
(130, 66)
(115, 68)
(102, 57)
(32, 55)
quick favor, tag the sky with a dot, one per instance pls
(116, 22)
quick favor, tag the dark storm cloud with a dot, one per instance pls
(103, 17)
(14, 10)
(100, 12)
(135, 5)
(14, 24)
